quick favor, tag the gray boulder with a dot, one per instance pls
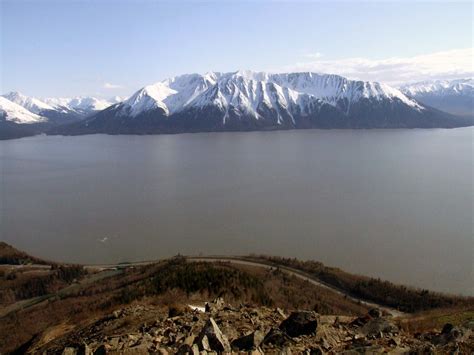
(375, 313)
(211, 338)
(214, 306)
(248, 342)
(378, 326)
(101, 350)
(276, 337)
(69, 351)
(300, 323)
(186, 349)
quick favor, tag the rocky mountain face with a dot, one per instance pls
(245, 100)
(453, 96)
(222, 328)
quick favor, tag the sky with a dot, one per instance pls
(106, 48)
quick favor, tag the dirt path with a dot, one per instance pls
(75, 287)
(239, 260)
(108, 270)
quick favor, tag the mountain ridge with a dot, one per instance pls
(81, 105)
(245, 88)
(246, 100)
(164, 305)
(15, 113)
(452, 96)
(22, 116)
(84, 104)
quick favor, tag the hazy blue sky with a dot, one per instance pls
(63, 48)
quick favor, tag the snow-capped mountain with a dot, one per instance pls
(454, 96)
(16, 121)
(81, 104)
(72, 108)
(21, 115)
(246, 100)
(30, 103)
(249, 92)
(440, 87)
(12, 112)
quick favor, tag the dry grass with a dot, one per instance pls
(434, 320)
(175, 282)
(24, 283)
(12, 256)
(406, 299)
(101, 298)
(290, 292)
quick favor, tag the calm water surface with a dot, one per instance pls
(397, 204)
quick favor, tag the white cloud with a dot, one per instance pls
(112, 86)
(316, 55)
(451, 64)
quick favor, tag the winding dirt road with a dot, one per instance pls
(107, 270)
(299, 274)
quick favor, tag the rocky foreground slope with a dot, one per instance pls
(259, 306)
(221, 328)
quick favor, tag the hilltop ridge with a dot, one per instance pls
(170, 305)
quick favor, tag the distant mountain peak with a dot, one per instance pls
(440, 87)
(53, 110)
(15, 113)
(30, 103)
(454, 96)
(80, 103)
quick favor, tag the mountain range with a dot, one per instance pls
(246, 100)
(453, 96)
(61, 109)
(21, 115)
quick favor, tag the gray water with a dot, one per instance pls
(397, 204)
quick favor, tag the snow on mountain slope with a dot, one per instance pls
(250, 91)
(453, 96)
(252, 101)
(252, 96)
(171, 95)
(13, 112)
(440, 87)
(331, 88)
(83, 104)
(30, 103)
